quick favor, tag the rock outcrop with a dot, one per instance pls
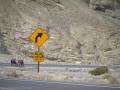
(76, 32)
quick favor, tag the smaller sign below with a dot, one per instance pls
(38, 56)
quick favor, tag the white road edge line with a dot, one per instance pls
(66, 83)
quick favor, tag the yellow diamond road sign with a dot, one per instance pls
(38, 36)
(38, 57)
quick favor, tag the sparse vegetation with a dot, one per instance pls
(46, 76)
(99, 71)
(13, 73)
(111, 79)
(61, 74)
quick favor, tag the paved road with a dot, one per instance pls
(65, 65)
(7, 84)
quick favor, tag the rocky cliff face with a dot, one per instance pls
(85, 31)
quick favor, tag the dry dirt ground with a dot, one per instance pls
(74, 75)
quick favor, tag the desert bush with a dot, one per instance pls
(12, 73)
(99, 71)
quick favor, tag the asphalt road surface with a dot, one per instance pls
(65, 65)
(8, 84)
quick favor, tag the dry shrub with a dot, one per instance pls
(99, 71)
(12, 73)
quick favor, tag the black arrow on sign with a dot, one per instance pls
(39, 35)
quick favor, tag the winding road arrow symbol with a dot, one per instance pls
(39, 35)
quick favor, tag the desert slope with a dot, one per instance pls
(78, 30)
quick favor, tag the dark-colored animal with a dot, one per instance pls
(103, 7)
(18, 63)
(13, 62)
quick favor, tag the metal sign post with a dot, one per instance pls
(38, 66)
(38, 37)
(38, 61)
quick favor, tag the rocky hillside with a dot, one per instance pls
(85, 31)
